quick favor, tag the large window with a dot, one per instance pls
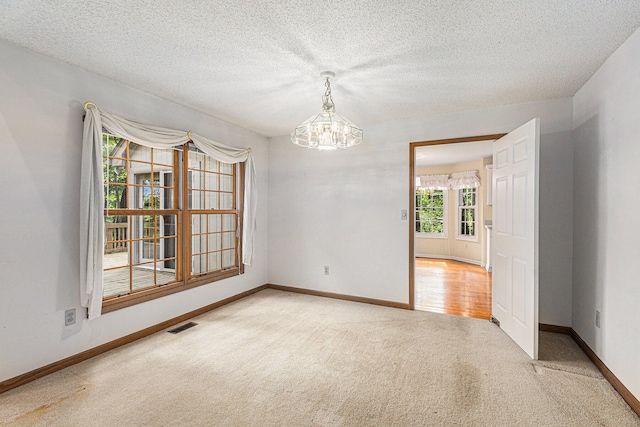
(431, 212)
(212, 208)
(171, 221)
(467, 214)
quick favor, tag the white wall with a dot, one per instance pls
(40, 136)
(342, 208)
(606, 268)
(556, 233)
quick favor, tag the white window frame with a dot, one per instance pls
(445, 218)
(460, 207)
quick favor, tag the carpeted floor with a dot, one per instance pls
(278, 358)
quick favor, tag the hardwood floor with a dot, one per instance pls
(452, 287)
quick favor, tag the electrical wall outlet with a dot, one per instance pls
(326, 270)
(70, 317)
(597, 318)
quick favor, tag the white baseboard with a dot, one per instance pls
(453, 258)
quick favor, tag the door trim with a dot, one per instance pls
(412, 208)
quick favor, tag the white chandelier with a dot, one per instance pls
(327, 130)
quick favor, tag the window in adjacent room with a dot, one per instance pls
(431, 212)
(467, 214)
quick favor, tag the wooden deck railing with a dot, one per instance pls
(115, 236)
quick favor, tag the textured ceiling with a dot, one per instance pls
(257, 63)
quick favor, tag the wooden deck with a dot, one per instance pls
(452, 287)
(116, 281)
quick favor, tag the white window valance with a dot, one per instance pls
(466, 179)
(434, 182)
(92, 189)
(455, 181)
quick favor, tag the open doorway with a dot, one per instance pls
(450, 270)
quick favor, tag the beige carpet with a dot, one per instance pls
(277, 358)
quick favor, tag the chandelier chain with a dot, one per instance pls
(327, 99)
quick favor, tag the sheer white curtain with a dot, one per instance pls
(92, 189)
(466, 179)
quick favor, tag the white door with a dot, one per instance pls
(514, 242)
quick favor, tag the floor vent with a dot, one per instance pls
(182, 328)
